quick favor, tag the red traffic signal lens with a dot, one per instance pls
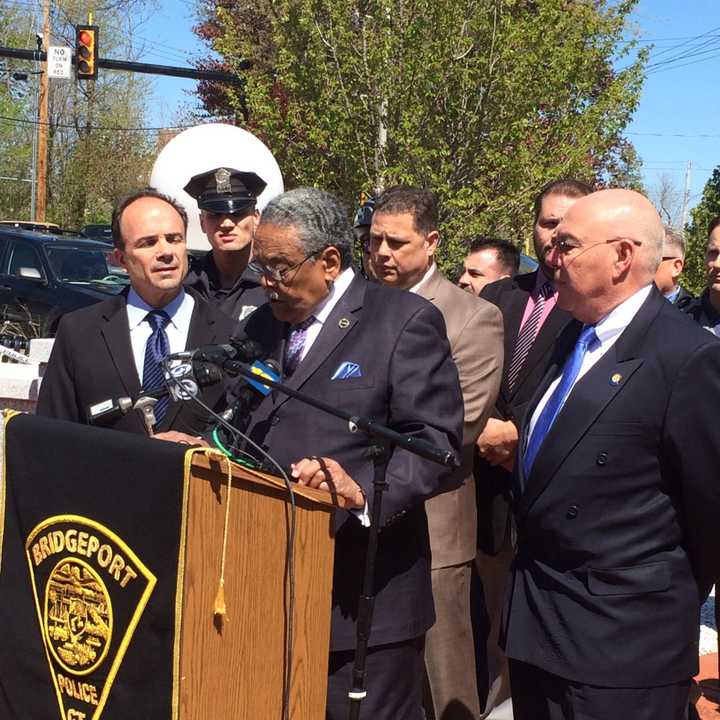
(85, 37)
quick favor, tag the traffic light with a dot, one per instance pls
(86, 51)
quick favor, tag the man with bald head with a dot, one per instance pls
(616, 495)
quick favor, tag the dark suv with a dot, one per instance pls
(44, 276)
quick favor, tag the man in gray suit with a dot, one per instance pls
(403, 240)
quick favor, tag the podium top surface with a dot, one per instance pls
(203, 462)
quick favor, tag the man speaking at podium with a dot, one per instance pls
(112, 349)
(379, 353)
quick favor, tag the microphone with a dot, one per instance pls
(190, 377)
(245, 350)
(250, 393)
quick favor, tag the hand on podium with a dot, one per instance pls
(327, 474)
(181, 437)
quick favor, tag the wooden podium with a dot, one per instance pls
(232, 667)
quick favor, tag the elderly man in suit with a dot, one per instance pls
(113, 348)
(403, 240)
(531, 322)
(616, 497)
(376, 352)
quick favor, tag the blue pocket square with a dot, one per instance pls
(347, 370)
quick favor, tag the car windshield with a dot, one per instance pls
(82, 265)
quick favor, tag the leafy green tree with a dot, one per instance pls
(696, 234)
(16, 102)
(481, 100)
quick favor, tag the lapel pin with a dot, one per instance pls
(616, 379)
(343, 323)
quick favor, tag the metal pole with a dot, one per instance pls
(686, 194)
(33, 169)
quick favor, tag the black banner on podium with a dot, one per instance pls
(91, 525)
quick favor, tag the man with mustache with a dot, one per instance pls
(112, 349)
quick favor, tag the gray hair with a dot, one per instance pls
(320, 219)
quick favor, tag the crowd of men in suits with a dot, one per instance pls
(578, 401)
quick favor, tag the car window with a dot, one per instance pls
(23, 255)
(80, 265)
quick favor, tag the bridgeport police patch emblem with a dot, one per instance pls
(90, 591)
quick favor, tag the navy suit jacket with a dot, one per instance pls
(408, 381)
(92, 361)
(617, 521)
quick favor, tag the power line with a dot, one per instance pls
(676, 135)
(69, 126)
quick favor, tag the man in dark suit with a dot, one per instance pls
(615, 492)
(531, 322)
(380, 353)
(111, 349)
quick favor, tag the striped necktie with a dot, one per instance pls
(156, 349)
(555, 402)
(526, 336)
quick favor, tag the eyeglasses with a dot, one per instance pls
(276, 275)
(565, 246)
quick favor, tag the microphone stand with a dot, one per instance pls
(383, 442)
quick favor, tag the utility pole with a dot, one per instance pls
(42, 131)
(686, 194)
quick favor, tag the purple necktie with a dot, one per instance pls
(526, 336)
(295, 345)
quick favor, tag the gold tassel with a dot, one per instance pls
(220, 608)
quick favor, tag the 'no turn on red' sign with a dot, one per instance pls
(58, 61)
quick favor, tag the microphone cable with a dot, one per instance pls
(289, 547)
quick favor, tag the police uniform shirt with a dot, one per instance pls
(237, 302)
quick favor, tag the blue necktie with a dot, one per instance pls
(558, 397)
(156, 348)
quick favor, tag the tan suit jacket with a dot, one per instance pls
(475, 332)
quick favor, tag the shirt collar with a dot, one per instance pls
(620, 317)
(425, 278)
(339, 288)
(137, 308)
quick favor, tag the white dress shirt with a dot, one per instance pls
(180, 311)
(323, 310)
(424, 279)
(608, 330)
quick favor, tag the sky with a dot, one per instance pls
(676, 122)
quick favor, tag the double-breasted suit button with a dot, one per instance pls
(602, 458)
(276, 419)
(572, 512)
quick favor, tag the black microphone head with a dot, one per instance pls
(247, 350)
(206, 374)
(215, 353)
(274, 365)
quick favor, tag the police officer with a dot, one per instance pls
(228, 215)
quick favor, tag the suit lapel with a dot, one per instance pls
(336, 327)
(430, 289)
(588, 399)
(115, 331)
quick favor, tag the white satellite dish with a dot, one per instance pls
(206, 147)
